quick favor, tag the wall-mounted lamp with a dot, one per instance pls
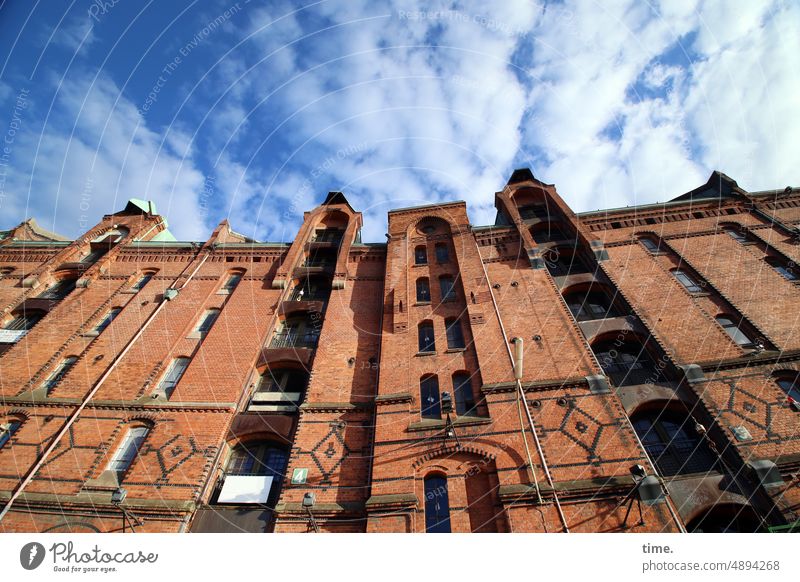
(117, 498)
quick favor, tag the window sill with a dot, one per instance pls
(197, 335)
(420, 354)
(420, 265)
(224, 292)
(455, 350)
(439, 424)
(90, 334)
(130, 291)
(107, 480)
(419, 303)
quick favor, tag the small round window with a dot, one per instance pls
(428, 229)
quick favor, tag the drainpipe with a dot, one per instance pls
(74, 416)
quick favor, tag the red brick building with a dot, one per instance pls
(175, 386)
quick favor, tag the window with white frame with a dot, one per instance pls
(128, 449)
(173, 376)
(59, 373)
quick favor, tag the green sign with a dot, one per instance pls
(299, 476)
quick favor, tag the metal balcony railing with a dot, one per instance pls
(294, 340)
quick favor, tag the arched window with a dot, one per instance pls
(106, 321)
(455, 335)
(442, 254)
(437, 505)
(254, 473)
(786, 269)
(465, 401)
(427, 343)
(173, 375)
(423, 290)
(128, 449)
(59, 373)
(429, 397)
(447, 288)
(789, 382)
(421, 255)
(733, 329)
(673, 443)
(142, 281)
(687, 281)
(7, 430)
(60, 290)
(651, 244)
(626, 363)
(738, 234)
(587, 305)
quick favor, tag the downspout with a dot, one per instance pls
(74, 416)
(524, 400)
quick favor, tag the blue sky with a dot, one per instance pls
(253, 111)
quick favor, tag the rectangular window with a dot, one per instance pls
(59, 373)
(104, 323)
(421, 255)
(455, 335)
(690, 284)
(429, 395)
(465, 402)
(173, 376)
(442, 254)
(6, 432)
(143, 280)
(232, 282)
(128, 449)
(207, 321)
(447, 289)
(427, 343)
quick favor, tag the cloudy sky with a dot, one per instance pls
(254, 110)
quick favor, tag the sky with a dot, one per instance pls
(251, 111)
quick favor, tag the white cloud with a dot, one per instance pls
(77, 34)
(94, 154)
(404, 102)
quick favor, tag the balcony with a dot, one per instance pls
(290, 347)
(12, 336)
(314, 268)
(328, 238)
(275, 402)
(295, 340)
(292, 307)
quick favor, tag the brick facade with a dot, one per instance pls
(660, 335)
